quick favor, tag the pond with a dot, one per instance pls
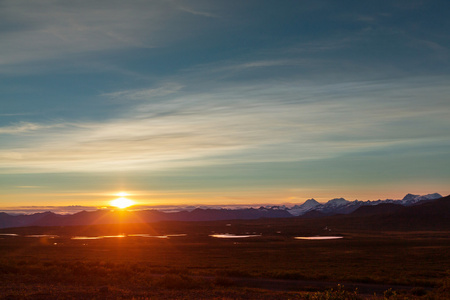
(318, 237)
(143, 235)
(51, 236)
(233, 236)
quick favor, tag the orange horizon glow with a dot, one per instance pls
(272, 196)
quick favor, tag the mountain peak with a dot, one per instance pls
(312, 200)
(434, 196)
(410, 199)
(308, 205)
(337, 202)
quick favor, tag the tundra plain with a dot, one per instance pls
(183, 260)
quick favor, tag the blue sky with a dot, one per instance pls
(226, 102)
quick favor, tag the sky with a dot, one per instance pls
(223, 101)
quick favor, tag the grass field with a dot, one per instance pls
(197, 265)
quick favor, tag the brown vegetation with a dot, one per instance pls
(199, 266)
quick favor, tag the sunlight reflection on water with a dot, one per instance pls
(97, 237)
(149, 236)
(233, 236)
(318, 237)
(86, 237)
(144, 235)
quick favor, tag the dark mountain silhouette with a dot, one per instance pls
(143, 216)
(382, 208)
(25, 220)
(428, 215)
(425, 209)
(422, 215)
(313, 214)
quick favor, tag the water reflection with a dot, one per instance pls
(86, 237)
(97, 237)
(233, 236)
(149, 236)
(318, 237)
(8, 234)
(114, 236)
(51, 236)
(144, 235)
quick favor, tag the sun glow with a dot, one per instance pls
(122, 202)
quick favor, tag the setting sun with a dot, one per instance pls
(122, 202)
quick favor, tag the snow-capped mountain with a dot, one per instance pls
(309, 205)
(336, 202)
(411, 199)
(342, 206)
(333, 204)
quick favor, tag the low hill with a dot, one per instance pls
(430, 215)
(383, 208)
(142, 216)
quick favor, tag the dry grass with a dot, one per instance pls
(200, 266)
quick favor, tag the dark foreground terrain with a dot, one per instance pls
(182, 261)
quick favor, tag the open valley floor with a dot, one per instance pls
(259, 259)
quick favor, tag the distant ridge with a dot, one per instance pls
(382, 208)
(342, 206)
(412, 208)
(429, 215)
(142, 216)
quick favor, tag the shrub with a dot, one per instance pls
(390, 294)
(339, 293)
(234, 273)
(8, 269)
(224, 281)
(418, 291)
(177, 282)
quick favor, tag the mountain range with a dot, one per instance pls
(342, 206)
(310, 209)
(425, 215)
(141, 216)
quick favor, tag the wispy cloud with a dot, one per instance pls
(26, 127)
(58, 30)
(181, 5)
(145, 94)
(235, 125)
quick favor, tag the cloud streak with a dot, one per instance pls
(235, 125)
(52, 30)
(26, 127)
